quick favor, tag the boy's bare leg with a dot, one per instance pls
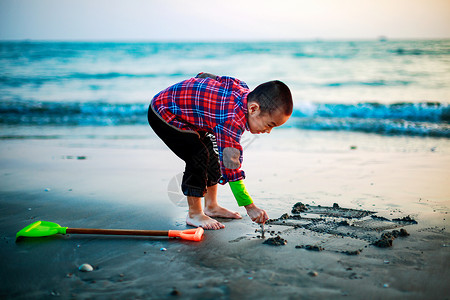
(213, 209)
(197, 218)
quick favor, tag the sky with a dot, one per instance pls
(230, 20)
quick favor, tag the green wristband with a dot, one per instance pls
(240, 193)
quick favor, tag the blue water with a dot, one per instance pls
(392, 87)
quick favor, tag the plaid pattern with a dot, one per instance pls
(204, 104)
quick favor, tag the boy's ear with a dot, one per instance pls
(253, 108)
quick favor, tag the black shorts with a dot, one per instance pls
(195, 148)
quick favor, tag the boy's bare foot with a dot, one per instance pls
(202, 220)
(221, 212)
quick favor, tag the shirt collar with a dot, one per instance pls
(245, 110)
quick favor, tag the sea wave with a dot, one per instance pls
(414, 119)
(74, 113)
(424, 111)
(378, 126)
(18, 81)
(373, 83)
(421, 119)
(40, 79)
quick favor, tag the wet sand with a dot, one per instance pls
(126, 185)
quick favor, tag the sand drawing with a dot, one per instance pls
(359, 228)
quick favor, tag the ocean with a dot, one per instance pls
(382, 87)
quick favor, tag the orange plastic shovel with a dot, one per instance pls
(43, 228)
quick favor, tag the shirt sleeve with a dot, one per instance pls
(230, 152)
(240, 193)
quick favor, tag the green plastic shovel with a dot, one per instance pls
(44, 228)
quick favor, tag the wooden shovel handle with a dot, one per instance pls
(118, 231)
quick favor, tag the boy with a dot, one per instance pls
(193, 114)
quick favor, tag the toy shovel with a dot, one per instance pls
(43, 228)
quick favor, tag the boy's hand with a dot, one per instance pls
(256, 214)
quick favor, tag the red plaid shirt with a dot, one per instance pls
(216, 106)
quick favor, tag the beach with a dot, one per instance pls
(122, 180)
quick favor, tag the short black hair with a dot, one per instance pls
(271, 96)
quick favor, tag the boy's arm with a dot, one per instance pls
(243, 199)
(230, 153)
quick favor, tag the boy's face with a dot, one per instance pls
(259, 122)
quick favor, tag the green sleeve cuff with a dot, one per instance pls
(240, 193)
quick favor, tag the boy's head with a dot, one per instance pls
(269, 105)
